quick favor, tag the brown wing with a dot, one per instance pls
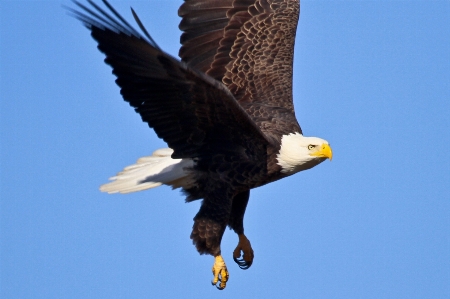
(195, 114)
(203, 23)
(252, 54)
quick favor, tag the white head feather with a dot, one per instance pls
(297, 152)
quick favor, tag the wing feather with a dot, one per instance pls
(253, 58)
(192, 112)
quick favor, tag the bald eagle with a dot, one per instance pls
(225, 110)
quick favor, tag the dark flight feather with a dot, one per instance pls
(190, 111)
(248, 45)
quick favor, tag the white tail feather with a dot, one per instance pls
(150, 172)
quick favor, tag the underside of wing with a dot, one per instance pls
(195, 114)
(249, 46)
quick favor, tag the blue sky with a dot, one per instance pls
(371, 77)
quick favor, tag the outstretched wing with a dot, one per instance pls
(195, 114)
(249, 46)
(203, 24)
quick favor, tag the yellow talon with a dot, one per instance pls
(220, 273)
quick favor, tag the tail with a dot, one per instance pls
(150, 172)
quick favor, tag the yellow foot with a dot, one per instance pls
(244, 245)
(220, 273)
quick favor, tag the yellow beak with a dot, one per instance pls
(324, 152)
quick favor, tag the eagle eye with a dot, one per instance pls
(311, 146)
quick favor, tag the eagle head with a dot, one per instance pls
(298, 152)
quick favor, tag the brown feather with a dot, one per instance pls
(253, 58)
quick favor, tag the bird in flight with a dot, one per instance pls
(225, 110)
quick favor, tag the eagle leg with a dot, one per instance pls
(209, 226)
(220, 273)
(244, 245)
(236, 222)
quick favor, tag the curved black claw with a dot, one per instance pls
(243, 264)
(217, 285)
